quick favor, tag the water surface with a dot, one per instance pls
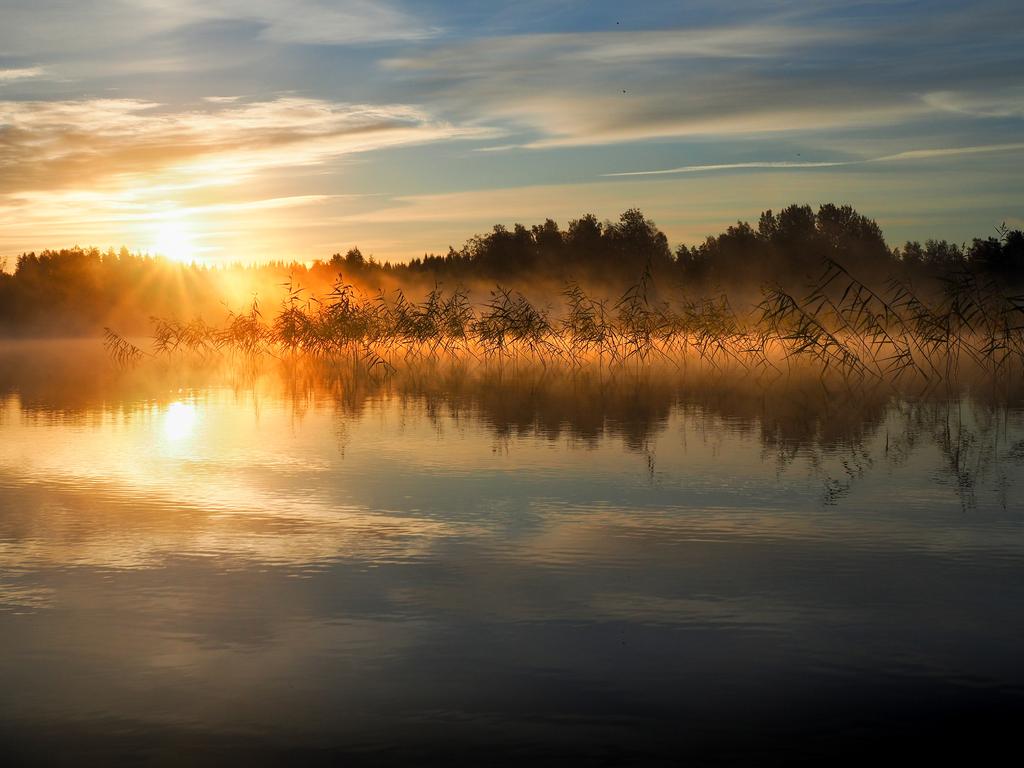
(501, 565)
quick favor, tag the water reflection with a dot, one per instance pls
(290, 563)
(179, 421)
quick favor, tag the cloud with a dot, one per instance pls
(587, 88)
(927, 154)
(81, 40)
(914, 154)
(78, 171)
(1007, 102)
(777, 165)
(9, 75)
(485, 56)
(758, 76)
(58, 26)
(301, 21)
(81, 143)
(356, 21)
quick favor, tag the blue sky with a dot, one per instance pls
(251, 129)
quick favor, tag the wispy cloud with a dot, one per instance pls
(927, 154)
(758, 76)
(601, 88)
(303, 21)
(485, 56)
(1006, 102)
(24, 73)
(914, 154)
(776, 165)
(61, 27)
(79, 143)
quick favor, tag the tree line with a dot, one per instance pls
(791, 245)
(79, 290)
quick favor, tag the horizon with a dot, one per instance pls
(225, 131)
(9, 265)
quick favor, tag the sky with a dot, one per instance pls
(248, 130)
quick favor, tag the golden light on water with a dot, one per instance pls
(179, 421)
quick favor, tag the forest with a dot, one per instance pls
(80, 291)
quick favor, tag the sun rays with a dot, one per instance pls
(174, 239)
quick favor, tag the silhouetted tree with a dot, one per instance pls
(636, 241)
(351, 262)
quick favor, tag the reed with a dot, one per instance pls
(122, 351)
(841, 324)
(509, 325)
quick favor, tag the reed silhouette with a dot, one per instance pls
(840, 323)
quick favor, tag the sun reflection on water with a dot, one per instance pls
(180, 421)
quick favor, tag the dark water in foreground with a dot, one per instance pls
(499, 567)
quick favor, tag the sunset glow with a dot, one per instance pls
(453, 116)
(174, 240)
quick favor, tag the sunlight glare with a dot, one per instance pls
(179, 421)
(173, 239)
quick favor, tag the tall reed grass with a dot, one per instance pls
(841, 324)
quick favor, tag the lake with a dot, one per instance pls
(277, 564)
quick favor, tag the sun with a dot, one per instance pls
(173, 239)
(179, 421)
